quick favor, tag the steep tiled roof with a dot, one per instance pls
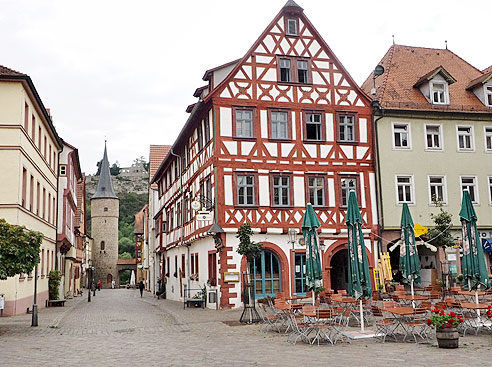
(157, 155)
(127, 261)
(480, 80)
(105, 185)
(7, 71)
(488, 70)
(405, 65)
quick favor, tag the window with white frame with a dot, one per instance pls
(292, 27)
(280, 125)
(316, 189)
(314, 127)
(490, 189)
(302, 71)
(488, 138)
(401, 136)
(404, 189)
(346, 128)
(245, 189)
(281, 191)
(465, 138)
(439, 93)
(488, 95)
(285, 70)
(470, 184)
(347, 184)
(437, 189)
(433, 137)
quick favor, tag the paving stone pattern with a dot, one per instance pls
(118, 328)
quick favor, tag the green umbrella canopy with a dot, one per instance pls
(409, 257)
(310, 224)
(473, 262)
(358, 266)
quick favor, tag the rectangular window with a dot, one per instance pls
(63, 170)
(292, 27)
(488, 95)
(347, 184)
(176, 266)
(245, 189)
(208, 193)
(206, 124)
(346, 128)
(465, 138)
(433, 137)
(401, 136)
(53, 208)
(31, 194)
(470, 184)
(488, 139)
(49, 209)
(33, 129)
(244, 123)
(285, 75)
(49, 155)
(279, 124)
(314, 127)
(24, 187)
(38, 197)
(437, 189)
(196, 266)
(178, 213)
(26, 117)
(42, 262)
(438, 93)
(404, 189)
(182, 270)
(281, 190)
(490, 189)
(192, 260)
(302, 71)
(199, 131)
(45, 146)
(39, 138)
(316, 190)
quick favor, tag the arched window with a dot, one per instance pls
(265, 275)
(102, 245)
(109, 279)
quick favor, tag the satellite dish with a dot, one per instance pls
(379, 70)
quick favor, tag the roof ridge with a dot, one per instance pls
(11, 70)
(390, 53)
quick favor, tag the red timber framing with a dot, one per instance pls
(252, 83)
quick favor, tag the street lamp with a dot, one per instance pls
(34, 321)
(292, 233)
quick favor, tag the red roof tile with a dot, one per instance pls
(7, 71)
(405, 65)
(127, 262)
(488, 70)
(157, 155)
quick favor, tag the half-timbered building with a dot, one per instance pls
(282, 126)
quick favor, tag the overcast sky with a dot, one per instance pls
(126, 70)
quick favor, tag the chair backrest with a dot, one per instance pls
(343, 292)
(400, 287)
(324, 313)
(376, 311)
(308, 309)
(426, 304)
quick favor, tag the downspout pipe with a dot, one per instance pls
(183, 215)
(377, 108)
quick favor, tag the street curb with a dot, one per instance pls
(56, 322)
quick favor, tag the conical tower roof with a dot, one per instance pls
(105, 185)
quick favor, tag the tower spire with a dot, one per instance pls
(105, 185)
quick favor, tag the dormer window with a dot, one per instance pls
(292, 26)
(488, 95)
(439, 93)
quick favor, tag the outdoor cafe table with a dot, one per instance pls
(470, 295)
(409, 298)
(399, 314)
(481, 319)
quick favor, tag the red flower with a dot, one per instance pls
(428, 321)
(436, 311)
(490, 307)
(452, 314)
(451, 320)
(444, 307)
(442, 313)
(461, 320)
(448, 325)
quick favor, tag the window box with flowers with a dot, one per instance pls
(446, 324)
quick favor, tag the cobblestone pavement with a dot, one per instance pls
(118, 328)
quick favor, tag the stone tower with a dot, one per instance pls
(104, 221)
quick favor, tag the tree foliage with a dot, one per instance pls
(19, 249)
(440, 235)
(246, 247)
(54, 284)
(114, 169)
(126, 246)
(125, 255)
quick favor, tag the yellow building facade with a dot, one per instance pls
(29, 147)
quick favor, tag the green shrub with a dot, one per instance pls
(54, 284)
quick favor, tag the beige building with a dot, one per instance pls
(434, 140)
(29, 147)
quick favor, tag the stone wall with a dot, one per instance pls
(136, 185)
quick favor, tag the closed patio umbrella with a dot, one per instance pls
(359, 277)
(310, 225)
(473, 262)
(409, 257)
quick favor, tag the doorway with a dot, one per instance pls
(339, 269)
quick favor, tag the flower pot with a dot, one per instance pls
(447, 338)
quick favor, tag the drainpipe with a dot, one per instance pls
(379, 198)
(183, 216)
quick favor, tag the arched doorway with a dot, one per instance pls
(109, 279)
(339, 268)
(266, 274)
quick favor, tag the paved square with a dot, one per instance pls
(118, 328)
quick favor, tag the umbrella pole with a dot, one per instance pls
(313, 297)
(412, 293)
(361, 316)
(476, 301)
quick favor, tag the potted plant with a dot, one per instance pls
(446, 324)
(489, 312)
